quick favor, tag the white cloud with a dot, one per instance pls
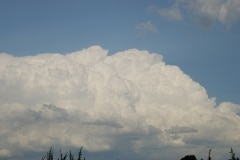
(146, 27)
(204, 12)
(173, 13)
(129, 102)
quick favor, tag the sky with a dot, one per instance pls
(140, 79)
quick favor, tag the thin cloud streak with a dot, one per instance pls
(146, 27)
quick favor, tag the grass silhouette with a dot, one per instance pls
(49, 155)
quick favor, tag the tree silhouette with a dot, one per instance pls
(209, 157)
(189, 157)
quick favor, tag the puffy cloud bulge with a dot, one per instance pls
(130, 100)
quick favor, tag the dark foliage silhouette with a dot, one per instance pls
(70, 156)
(49, 155)
(209, 154)
(189, 157)
(192, 157)
(233, 155)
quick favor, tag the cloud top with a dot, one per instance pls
(129, 101)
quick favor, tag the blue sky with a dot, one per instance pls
(209, 54)
(201, 37)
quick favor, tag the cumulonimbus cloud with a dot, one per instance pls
(129, 101)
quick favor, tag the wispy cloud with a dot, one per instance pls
(129, 102)
(146, 27)
(173, 13)
(204, 12)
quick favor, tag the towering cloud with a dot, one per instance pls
(129, 102)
